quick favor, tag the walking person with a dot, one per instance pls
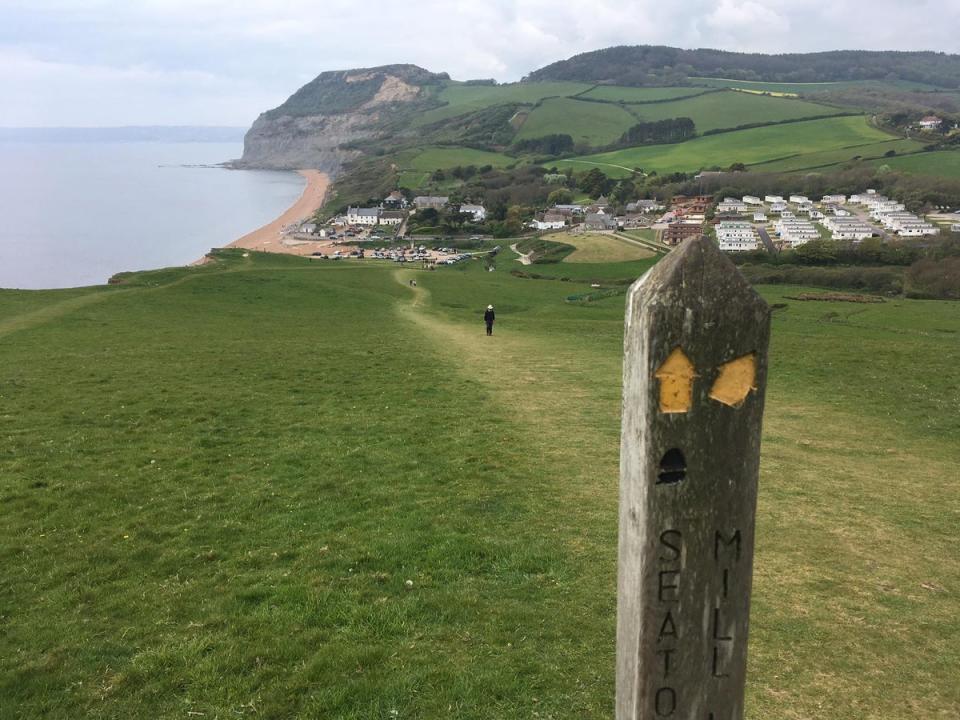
(488, 318)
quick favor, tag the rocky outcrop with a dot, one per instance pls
(320, 124)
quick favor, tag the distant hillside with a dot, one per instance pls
(641, 65)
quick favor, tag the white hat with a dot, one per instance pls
(489, 307)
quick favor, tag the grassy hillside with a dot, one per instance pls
(217, 482)
(459, 98)
(800, 88)
(829, 158)
(731, 109)
(943, 164)
(588, 122)
(746, 146)
(617, 93)
(432, 158)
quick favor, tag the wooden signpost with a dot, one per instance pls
(694, 376)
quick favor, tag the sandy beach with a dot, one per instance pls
(271, 238)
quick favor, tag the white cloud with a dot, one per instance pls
(223, 61)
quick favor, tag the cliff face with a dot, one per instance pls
(310, 129)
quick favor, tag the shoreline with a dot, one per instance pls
(272, 236)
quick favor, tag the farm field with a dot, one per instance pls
(945, 163)
(619, 93)
(217, 482)
(593, 123)
(729, 109)
(599, 248)
(807, 88)
(747, 146)
(462, 98)
(836, 157)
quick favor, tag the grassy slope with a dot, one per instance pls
(808, 88)
(462, 99)
(943, 163)
(827, 158)
(746, 146)
(617, 93)
(732, 109)
(593, 123)
(213, 492)
(599, 248)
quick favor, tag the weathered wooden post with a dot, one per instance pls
(694, 376)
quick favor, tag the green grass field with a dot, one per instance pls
(433, 158)
(828, 158)
(945, 163)
(732, 109)
(462, 98)
(599, 248)
(808, 88)
(747, 146)
(617, 93)
(216, 483)
(593, 123)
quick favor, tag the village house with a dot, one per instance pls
(737, 236)
(392, 217)
(684, 206)
(599, 221)
(574, 209)
(395, 201)
(752, 200)
(677, 232)
(799, 200)
(422, 202)
(550, 220)
(774, 199)
(478, 211)
(794, 232)
(362, 216)
(759, 217)
(930, 122)
(778, 206)
(643, 206)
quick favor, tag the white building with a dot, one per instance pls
(731, 205)
(752, 200)
(847, 228)
(799, 199)
(734, 236)
(931, 122)
(363, 216)
(547, 224)
(773, 199)
(795, 232)
(759, 217)
(392, 217)
(478, 211)
(778, 207)
(834, 199)
(955, 228)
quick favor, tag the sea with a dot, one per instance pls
(75, 212)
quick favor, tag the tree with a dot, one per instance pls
(594, 183)
(560, 196)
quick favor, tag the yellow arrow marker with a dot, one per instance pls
(676, 382)
(735, 381)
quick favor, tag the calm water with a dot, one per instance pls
(76, 213)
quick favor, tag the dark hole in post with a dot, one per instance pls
(673, 467)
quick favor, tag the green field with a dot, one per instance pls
(731, 109)
(589, 122)
(747, 146)
(945, 163)
(433, 158)
(217, 482)
(618, 93)
(808, 88)
(461, 99)
(829, 158)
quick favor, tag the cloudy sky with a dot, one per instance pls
(221, 62)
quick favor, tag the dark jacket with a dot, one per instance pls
(488, 316)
